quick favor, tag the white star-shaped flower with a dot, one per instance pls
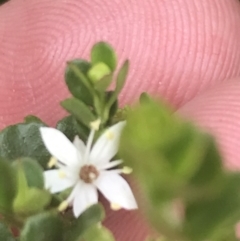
(85, 168)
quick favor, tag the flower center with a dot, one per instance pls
(88, 173)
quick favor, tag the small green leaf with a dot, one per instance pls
(144, 98)
(33, 172)
(91, 217)
(121, 79)
(212, 219)
(98, 71)
(71, 127)
(103, 83)
(43, 227)
(23, 140)
(121, 114)
(7, 186)
(79, 110)
(102, 52)
(98, 233)
(32, 118)
(67, 126)
(34, 201)
(5, 234)
(76, 83)
(113, 109)
(28, 200)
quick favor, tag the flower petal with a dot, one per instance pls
(107, 145)
(79, 144)
(85, 195)
(59, 146)
(109, 165)
(55, 183)
(116, 190)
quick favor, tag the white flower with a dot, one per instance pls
(86, 168)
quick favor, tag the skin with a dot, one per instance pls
(185, 51)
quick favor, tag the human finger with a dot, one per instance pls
(176, 48)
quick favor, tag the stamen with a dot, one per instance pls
(62, 174)
(95, 124)
(63, 206)
(109, 135)
(52, 162)
(127, 170)
(115, 206)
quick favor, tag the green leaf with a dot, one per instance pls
(145, 98)
(110, 113)
(98, 233)
(5, 234)
(174, 162)
(91, 217)
(23, 140)
(121, 114)
(42, 227)
(121, 79)
(213, 219)
(76, 83)
(103, 83)
(98, 71)
(28, 200)
(33, 172)
(211, 165)
(79, 110)
(34, 201)
(7, 187)
(32, 118)
(71, 127)
(162, 134)
(102, 52)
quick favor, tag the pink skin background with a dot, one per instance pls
(186, 51)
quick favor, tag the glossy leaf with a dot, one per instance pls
(32, 118)
(120, 82)
(103, 83)
(33, 172)
(76, 83)
(7, 186)
(102, 52)
(5, 234)
(28, 200)
(23, 140)
(91, 217)
(34, 201)
(98, 233)
(71, 127)
(79, 110)
(110, 113)
(43, 227)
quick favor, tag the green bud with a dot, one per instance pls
(98, 71)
